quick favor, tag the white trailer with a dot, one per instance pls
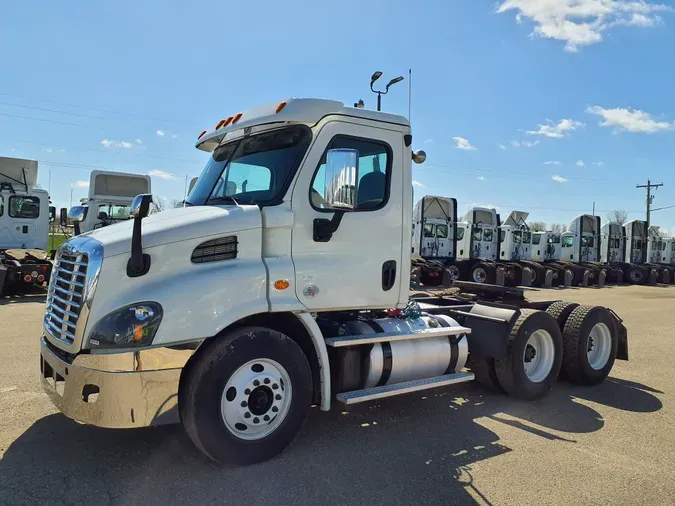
(110, 197)
(236, 313)
(25, 215)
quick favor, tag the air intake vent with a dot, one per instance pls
(224, 248)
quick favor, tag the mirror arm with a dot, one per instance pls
(325, 228)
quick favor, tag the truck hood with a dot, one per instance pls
(180, 224)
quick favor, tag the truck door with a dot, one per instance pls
(21, 220)
(359, 265)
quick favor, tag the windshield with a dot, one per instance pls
(112, 212)
(428, 230)
(527, 237)
(251, 170)
(442, 231)
(517, 237)
(477, 234)
(567, 241)
(459, 234)
(536, 239)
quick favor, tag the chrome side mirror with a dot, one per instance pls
(140, 207)
(341, 179)
(77, 214)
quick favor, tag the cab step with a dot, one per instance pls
(406, 387)
(338, 342)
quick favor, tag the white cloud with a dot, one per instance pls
(47, 150)
(417, 184)
(501, 146)
(556, 130)
(161, 133)
(80, 184)
(580, 163)
(174, 136)
(463, 143)
(109, 143)
(630, 120)
(523, 144)
(559, 179)
(599, 164)
(552, 162)
(161, 174)
(429, 141)
(581, 23)
(481, 178)
(139, 142)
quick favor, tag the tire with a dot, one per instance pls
(636, 275)
(483, 370)
(483, 273)
(560, 311)
(577, 358)
(204, 397)
(524, 337)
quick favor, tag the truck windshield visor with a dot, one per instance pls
(252, 170)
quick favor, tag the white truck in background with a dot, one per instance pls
(25, 215)
(656, 255)
(434, 242)
(110, 197)
(236, 313)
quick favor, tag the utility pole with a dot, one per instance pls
(650, 197)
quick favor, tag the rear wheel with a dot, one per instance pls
(483, 273)
(560, 311)
(534, 356)
(590, 343)
(636, 275)
(247, 397)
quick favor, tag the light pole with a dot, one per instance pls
(374, 78)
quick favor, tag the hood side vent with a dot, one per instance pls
(215, 250)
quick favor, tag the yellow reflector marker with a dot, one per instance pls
(281, 284)
(138, 332)
(281, 106)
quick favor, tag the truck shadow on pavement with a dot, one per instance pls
(410, 450)
(34, 298)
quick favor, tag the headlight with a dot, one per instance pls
(132, 326)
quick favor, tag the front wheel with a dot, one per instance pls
(247, 396)
(483, 273)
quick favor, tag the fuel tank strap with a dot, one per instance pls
(387, 358)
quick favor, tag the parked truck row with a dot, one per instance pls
(481, 248)
(284, 282)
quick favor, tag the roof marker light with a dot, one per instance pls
(236, 118)
(201, 135)
(281, 105)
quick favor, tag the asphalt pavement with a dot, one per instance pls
(613, 443)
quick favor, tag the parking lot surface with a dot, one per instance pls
(614, 443)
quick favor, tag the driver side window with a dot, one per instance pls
(375, 160)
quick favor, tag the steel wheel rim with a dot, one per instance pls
(635, 275)
(479, 275)
(256, 399)
(538, 356)
(599, 346)
(454, 272)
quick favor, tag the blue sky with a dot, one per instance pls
(129, 85)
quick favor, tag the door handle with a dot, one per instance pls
(388, 274)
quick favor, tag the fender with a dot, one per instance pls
(322, 356)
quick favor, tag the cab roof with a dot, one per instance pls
(308, 111)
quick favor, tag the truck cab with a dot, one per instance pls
(434, 234)
(480, 236)
(515, 238)
(109, 200)
(655, 246)
(546, 246)
(635, 237)
(582, 242)
(611, 243)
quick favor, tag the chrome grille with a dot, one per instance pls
(66, 295)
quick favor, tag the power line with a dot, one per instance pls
(99, 109)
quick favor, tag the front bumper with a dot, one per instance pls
(121, 390)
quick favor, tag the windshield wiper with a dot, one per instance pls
(223, 198)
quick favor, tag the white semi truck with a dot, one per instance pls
(25, 215)
(637, 268)
(110, 197)
(236, 313)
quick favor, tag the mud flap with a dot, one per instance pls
(622, 337)
(3, 276)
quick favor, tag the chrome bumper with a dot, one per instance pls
(122, 390)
